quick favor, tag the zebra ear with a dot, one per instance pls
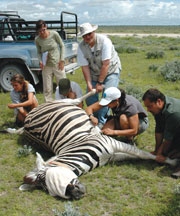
(39, 161)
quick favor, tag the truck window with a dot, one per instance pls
(6, 30)
(6, 33)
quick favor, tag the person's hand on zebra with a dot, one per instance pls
(94, 120)
(108, 131)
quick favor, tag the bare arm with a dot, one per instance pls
(131, 131)
(61, 44)
(39, 54)
(163, 150)
(103, 74)
(104, 70)
(29, 102)
(87, 76)
(158, 139)
(91, 109)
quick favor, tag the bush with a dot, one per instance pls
(134, 91)
(126, 49)
(171, 71)
(69, 211)
(177, 54)
(131, 49)
(153, 67)
(155, 54)
(25, 151)
(173, 48)
(120, 49)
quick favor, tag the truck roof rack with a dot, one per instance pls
(9, 13)
(20, 29)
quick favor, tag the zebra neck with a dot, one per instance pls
(58, 164)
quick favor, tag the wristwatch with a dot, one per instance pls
(91, 115)
(100, 82)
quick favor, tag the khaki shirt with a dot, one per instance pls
(54, 45)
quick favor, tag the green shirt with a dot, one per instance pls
(168, 121)
(54, 45)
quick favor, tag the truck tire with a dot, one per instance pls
(7, 72)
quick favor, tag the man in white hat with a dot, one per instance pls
(129, 117)
(100, 64)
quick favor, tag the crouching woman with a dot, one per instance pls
(23, 98)
(129, 117)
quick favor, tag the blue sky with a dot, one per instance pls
(101, 12)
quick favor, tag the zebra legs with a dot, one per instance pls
(122, 157)
(134, 151)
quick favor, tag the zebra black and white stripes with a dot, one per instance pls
(57, 124)
(67, 131)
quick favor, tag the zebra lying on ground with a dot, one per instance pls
(67, 131)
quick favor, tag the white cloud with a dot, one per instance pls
(100, 11)
(86, 14)
(39, 7)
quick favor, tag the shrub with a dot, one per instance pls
(153, 67)
(69, 211)
(120, 49)
(171, 71)
(177, 54)
(25, 151)
(126, 49)
(134, 91)
(177, 189)
(131, 49)
(173, 47)
(155, 54)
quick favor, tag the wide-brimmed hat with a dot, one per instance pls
(64, 86)
(86, 28)
(109, 95)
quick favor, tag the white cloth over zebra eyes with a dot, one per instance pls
(57, 180)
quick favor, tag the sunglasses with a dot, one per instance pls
(89, 34)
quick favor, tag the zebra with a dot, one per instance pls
(67, 131)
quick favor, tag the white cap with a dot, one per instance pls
(109, 95)
(86, 28)
(57, 180)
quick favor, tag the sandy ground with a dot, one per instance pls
(142, 35)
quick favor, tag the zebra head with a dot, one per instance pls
(31, 177)
(57, 180)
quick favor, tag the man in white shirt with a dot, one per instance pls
(68, 89)
(100, 64)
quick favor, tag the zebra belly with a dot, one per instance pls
(55, 125)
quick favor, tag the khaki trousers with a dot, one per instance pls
(47, 75)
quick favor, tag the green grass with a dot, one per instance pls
(137, 188)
